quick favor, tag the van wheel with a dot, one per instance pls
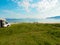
(7, 25)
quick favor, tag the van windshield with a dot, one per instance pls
(6, 22)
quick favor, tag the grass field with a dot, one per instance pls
(30, 34)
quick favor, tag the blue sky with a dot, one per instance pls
(29, 8)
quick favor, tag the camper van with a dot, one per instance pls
(4, 23)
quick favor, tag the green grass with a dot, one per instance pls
(30, 34)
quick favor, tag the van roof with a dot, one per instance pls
(2, 19)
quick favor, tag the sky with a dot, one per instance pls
(39, 9)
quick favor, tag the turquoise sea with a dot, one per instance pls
(34, 20)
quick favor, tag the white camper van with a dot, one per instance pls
(4, 23)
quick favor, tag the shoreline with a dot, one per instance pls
(36, 22)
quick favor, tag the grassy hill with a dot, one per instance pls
(30, 34)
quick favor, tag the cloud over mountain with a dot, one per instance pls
(55, 17)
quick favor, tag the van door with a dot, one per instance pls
(1, 24)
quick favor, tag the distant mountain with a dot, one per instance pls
(56, 17)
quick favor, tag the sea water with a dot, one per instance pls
(34, 20)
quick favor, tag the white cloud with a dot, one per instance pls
(25, 4)
(12, 14)
(46, 8)
(40, 6)
(45, 5)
